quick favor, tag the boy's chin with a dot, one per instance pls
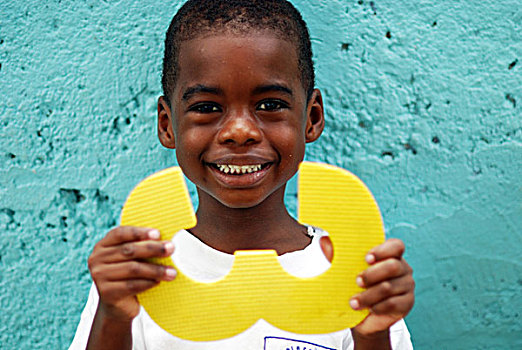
(241, 203)
(238, 199)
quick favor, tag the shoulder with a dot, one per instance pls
(316, 232)
(320, 237)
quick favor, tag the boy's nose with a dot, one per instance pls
(240, 129)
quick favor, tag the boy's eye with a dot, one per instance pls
(272, 105)
(205, 108)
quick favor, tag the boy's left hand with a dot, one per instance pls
(389, 288)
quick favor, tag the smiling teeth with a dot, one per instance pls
(238, 169)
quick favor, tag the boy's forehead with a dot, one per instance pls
(256, 54)
(225, 43)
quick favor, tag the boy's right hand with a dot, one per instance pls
(119, 270)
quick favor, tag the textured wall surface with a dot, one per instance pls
(423, 103)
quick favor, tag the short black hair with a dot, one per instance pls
(198, 17)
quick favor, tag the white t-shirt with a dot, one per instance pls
(204, 263)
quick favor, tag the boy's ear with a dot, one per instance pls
(165, 130)
(315, 117)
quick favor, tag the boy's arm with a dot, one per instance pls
(389, 295)
(119, 271)
(380, 340)
(108, 333)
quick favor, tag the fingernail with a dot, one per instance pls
(354, 304)
(370, 258)
(154, 234)
(170, 273)
(359, 281)
(169, 247)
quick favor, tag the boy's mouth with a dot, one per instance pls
(232, 169)
(240, 176)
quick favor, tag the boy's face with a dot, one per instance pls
(239, 119)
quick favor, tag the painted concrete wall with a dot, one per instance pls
(423, 103)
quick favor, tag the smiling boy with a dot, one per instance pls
(239, 106)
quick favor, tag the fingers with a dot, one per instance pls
(115, 282)
(124, 234)
(398, 305)
(120, 256)
(120, 272)
(392, 248)
(129, 243)
(119, 290)
(388, 281)
(137, 251)
(133, 270)
(383, 270)
(383, 291)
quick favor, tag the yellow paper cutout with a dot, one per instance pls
(258, 287)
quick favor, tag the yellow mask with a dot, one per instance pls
(258, 287)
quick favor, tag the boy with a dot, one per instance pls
(239, 105)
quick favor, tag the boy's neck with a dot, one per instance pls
(265, 226)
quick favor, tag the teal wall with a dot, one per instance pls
(423, 103)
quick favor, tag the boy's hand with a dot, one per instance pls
(389, 288)
(120, 272)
